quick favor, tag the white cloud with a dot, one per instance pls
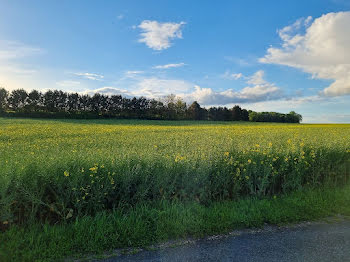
(286, 104)
(257, 78)
(232, 76)
(16, 69)
(157, 35)
(241, 62)
(323, 50)
(90, 76)
(327, 118)
(156, 87)
(120, 17)
(258, 89)
(286, 32)
(13, 50)
(135, 72)
(149, 87)
(314, 109)
(109, 90)
(132, 74)
(68, 83)
(169, 66)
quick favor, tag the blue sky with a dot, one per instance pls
(262, 55)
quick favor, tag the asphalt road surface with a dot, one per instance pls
(306, 242)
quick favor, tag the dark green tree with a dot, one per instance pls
(195, 112)
(18, 99)
(63, 104)
(236, 113)
(48, 101)
(35, 99)
(3, 99)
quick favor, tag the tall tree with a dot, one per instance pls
(72, 104)
(3, 99)
(84, 103)
(245, 115)
(60, 100)
(116, 104)
(49, 102)
(180, 108)
(195, 112)
(99, 105)
(18, 99)
(169, 102)
(236, 113)
(34, 100)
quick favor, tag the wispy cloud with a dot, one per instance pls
(120, 17)
(133, 73)
(156, 87)
(232, 76)
(169, 66)
(109, 90)
(68, 83)
(240, 61)
(11, 50)
(90, 76)
(151, 87)
(17, 69)
(158, 35)
(257, 78)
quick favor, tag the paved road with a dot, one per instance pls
(316, 242)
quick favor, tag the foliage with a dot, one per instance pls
(53, 171)
(59, 104)
(3, 99)
(149, 223)
(292, 117)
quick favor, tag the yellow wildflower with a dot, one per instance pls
(93, 169)
(179, 158)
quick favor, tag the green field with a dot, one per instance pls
(63, 174)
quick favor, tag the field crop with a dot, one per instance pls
(57, 170)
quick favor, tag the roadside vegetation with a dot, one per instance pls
(150, 223)
(71, 187)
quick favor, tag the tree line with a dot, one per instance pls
(57, 104)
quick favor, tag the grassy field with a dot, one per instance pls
(61, 176)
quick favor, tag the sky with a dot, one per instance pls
(262, 55)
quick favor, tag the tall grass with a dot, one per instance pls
(149, 223)
(53, 171)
